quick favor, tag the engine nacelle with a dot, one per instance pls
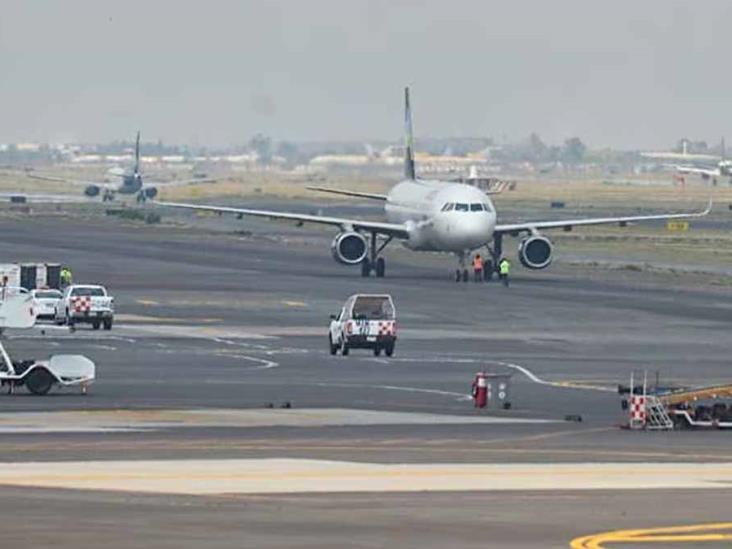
(92, 190)
(150, 192)
(535, 252)
(349, 248)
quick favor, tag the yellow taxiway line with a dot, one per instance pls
(697, 533)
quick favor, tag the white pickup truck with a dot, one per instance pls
(86, 303)
(365, 322)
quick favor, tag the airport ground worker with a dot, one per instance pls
(66, 276)
(504, 269)
(478, 268)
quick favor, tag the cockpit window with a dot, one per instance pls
(488, 207)
(448, 207)
(461, 208)
(477, 207)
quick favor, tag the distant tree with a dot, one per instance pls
(573, 151)
(538, 150)
(287, 150)
(262, 145)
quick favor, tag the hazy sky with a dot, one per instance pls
(617, 73)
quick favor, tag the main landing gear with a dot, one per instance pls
(373, 262)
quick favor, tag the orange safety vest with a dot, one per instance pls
(478, 263)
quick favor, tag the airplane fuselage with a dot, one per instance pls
(131, 184)
(441, 216)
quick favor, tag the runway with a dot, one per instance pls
(220, 353)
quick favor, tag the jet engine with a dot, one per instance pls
(150, 192)
(92, 190)
(349, 248)
(535, 252)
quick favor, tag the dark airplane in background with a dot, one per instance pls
(132, 182)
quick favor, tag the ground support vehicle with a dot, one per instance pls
(86, 304)
(365, 322)
(38, 376)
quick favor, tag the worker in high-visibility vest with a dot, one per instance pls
(504, 269)
(66, 276)
(478, 268)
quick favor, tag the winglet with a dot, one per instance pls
(409, 171)
(708, 209)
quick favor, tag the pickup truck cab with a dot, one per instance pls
(87, 304)
(365, 322)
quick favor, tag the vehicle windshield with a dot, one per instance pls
(373, 308)
(48, 294)
(83, 292)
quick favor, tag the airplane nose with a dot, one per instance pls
(469, 230)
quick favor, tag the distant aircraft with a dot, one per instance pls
(132, 182)
(708, 166)
(723, 168)
(432, 215)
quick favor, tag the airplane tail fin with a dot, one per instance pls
(409, 171)
(137, 153)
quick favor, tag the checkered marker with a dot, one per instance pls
(637, 410)
(387, 327)
(82, 304)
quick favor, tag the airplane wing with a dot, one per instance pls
(390, 229)
(709, 172)
(567, 224)
(370, 196)
(79, 182)
(178, 182)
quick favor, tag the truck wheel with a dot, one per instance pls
(39, 381)
(377, 351)
(96, 324)
(389, 350)
(344, 347)
(333, 348)
(108, 324)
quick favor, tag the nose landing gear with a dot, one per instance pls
(490, 266)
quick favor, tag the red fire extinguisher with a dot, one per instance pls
(480, 390)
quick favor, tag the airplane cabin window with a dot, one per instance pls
(462, 207)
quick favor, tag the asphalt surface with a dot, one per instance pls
(209, 318)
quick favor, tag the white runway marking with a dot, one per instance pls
(110, 420)
(285, 476)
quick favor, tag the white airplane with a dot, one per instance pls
(723, 168)
(432, 215)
